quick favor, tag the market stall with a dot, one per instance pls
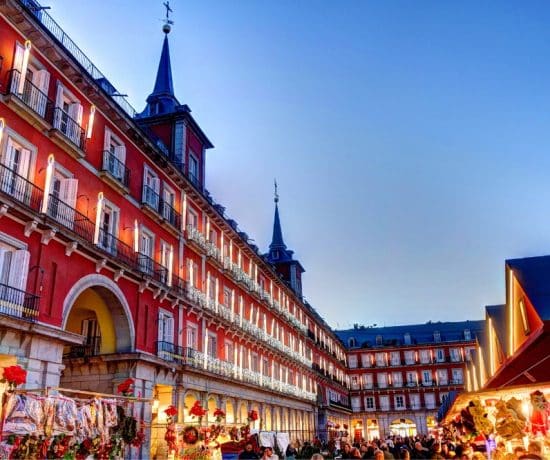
(514, 416)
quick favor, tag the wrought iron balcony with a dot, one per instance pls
(197, 237)
(91, 347)
(153, 269)
(150, 198)
(112, 165)
(17, 303)
(70, 218)
(20, 189)
(32, 96)
(117, 249)
(72, 130)
(170, 214)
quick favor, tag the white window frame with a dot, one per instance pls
(352, 361)
(192, 331)
(409, 357)
(399, 401)
(370, 401)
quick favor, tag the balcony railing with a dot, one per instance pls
(69, 127)
(17, 303)
(150, 198)
(170, 214)
(20, 189)
(70, 218)
(153, 269)
(115, 168)
(90, 348)
(32, 96)
(117, 249)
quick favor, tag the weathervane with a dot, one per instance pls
(167, 21)
(276, 194)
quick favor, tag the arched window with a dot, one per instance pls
(352, 343)
(437, 336)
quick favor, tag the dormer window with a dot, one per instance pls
(437, 336)
(193, 168)
(467, 334)
(379, 340)
(352, 342)
(407, 338)
(275, 254)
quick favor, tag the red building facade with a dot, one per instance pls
(116, 262)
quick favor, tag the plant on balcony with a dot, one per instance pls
(219, 414)
(126, 388)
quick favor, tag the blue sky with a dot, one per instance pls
(409, 139)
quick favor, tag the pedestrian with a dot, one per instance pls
(248, 452)
(291, 452)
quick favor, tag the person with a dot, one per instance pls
(248, 452)
(378, 454)
(404, 453)
(519, 451)
(419, 451)
(317, 457)
(291, 452)
(355, 453)
(268, 454)
(346, 451)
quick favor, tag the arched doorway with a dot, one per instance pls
(403, 427)
(243, 413)
(229, 412)
(267, 425)
(212, 405)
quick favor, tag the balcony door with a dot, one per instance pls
(62, 203)
(108, 227)
(16, 160)
(14, 269)
(68, 115)
(90, 330)
(146, 249)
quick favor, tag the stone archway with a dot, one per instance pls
(109, 305)
(403, 427)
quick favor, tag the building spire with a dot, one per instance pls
(277, 239)
(162, 100)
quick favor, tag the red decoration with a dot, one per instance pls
(197, 410)
(337, 426)
(219, 414)
(345, 426)
(170, 411)
(126, 388)
(252, 416)
(14, 375)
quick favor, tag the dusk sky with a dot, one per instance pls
(410, 140)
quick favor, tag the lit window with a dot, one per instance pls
(407, 338)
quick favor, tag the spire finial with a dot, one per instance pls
(276, 199)
(167, 21)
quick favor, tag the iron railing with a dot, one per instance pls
(69, 127)
(90, 348)
(32, 96)
(20, 189)
(70, 218)
(150, 198)
(170, 214)
(17, 303)
(115, 168)
(117, 249)
(153, 269)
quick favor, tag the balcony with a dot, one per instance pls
(195, 236)
(170, 215)
(115, 172)
(117, 249)
(68, 133)
(32, 104)
(18, 304)
(70, 218)
(151, 199)
(20, 189)
(152, 269)
(90, 348)
(198, 360)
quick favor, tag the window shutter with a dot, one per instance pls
(161, 327)
(19, 269)
(107, 140)
(68, 190)
(43, 81)
(120, 153)
(78, 113)
(4, 265)
(17, 64)
(24, 163)
(156, 185)
(169, 329)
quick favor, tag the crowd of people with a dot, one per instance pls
(395, 447)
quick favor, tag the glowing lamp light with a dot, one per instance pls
(99, 210)
(136, 236)
(24, 66)
(2, 126)
(48, 182)
(90, 122)
(170, 263)
(155, 406)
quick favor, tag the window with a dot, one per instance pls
(382, 379)
(352, 361)
(455, 354)
(379, 340)
(440, 355)
(37, 81)
(227, 296)
(63, 192)
(68, 115)
(146, 244)
(437, 336)
(397, 379)
(151, 189)
(180, 134)
(366, 360)
(427, 378)
(369, 403)
(424, 356)
(17, 160)
(409, 357)
(192, 269)
(415, 401)
(229, 351)
(192, 219)
(384, 402)
(443, 397)
(429, 399)
(14, 269)
(457, 376)
(212, 349)
(89, 328)
(191, 337)
(254, 362)
(412, 378)
(395, 358)
(114, 156)
(399, 401)
(193, 168)
(168, 209)
(442, 376)
(367, 379)
(355, 403)
(108, 227)
(165, 252)
(166, 327)
(467, 334)
(266, 368)
(407, 338)
(355, 385)
(381, 359)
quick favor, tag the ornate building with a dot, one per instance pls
(399, 376)
(116, 262)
